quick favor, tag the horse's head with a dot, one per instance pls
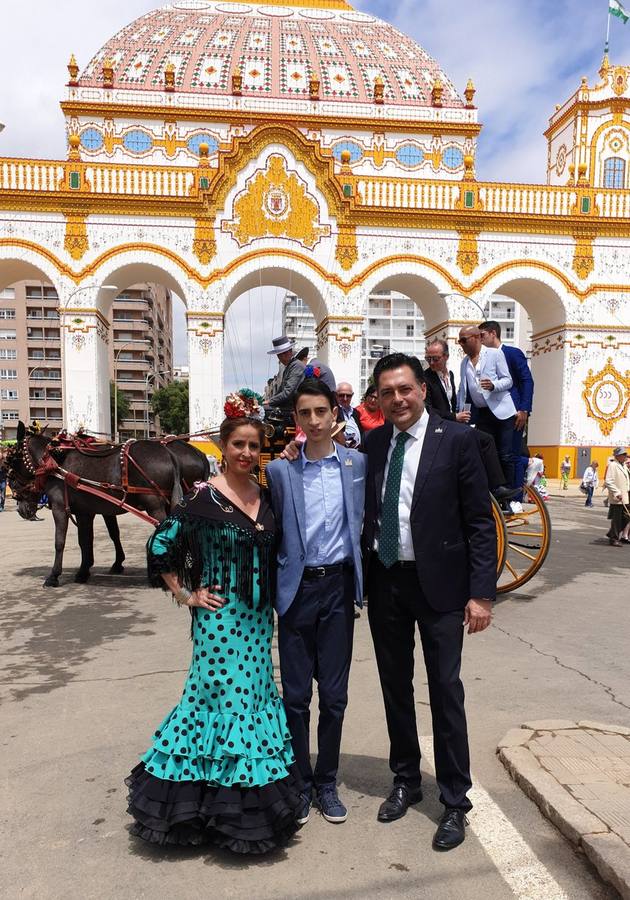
(23, 461)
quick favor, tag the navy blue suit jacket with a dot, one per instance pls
(522, 390)
(452, 526)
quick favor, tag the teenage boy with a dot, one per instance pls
(318, 501)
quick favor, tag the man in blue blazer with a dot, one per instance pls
(318, 500)
(522, 390)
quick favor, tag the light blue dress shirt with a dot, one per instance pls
(327, 532)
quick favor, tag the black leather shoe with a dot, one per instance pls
(451, 831)
(505, 493)
(398, 803)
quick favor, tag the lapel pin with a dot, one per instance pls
(348, 461)
(439, 431)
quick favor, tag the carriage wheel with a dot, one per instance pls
(528, 537)
(499, 522)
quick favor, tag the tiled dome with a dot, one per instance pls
(277, 49)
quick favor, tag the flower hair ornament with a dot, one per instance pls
(244, 402)
(312, 371)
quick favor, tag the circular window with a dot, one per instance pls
(91, 139)
(453, 158)
(356, 153)
(197, 139)
(410, 155)
(137, 141)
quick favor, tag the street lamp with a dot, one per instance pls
(445, 294)
(62, 309)
(147, 379)
(116, 358)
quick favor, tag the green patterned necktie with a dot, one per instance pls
(390, 527)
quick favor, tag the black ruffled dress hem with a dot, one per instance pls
(241, 819)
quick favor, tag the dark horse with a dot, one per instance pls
(155, 473)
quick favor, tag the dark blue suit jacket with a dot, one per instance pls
(522, 390)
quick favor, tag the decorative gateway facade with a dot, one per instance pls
(220, 146)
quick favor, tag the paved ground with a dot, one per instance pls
(579, 775)
(90, 670)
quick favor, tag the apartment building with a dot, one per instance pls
(141, 354)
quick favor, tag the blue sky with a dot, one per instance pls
(524, 57)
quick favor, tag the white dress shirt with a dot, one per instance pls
(472, 380)
(447, 385)
(413, 449)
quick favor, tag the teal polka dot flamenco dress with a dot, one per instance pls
(221, 768)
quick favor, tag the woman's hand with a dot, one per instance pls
(206, 598)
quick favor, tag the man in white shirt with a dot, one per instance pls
(485, 383)
(590, 480)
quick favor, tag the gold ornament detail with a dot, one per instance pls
(346, 253)
(204, 244)
(73, 71)
(76, 241)
(468, 252)
(620, 80)
(606, 396)
(583, 260)
(275, 203)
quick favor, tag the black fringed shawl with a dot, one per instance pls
(213, 536)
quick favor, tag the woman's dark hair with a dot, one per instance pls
(395, 361)
(370, 391)
(313, 387)
(228, 427)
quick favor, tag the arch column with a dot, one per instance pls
(205, 360)
(339, 346)
(85, 337)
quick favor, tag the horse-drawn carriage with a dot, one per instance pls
(523, 538)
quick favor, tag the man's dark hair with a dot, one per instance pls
(314, 387)
(302, 355)
(395, 361)
(491, 325)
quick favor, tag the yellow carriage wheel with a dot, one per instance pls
(501, 535)
(528, 538)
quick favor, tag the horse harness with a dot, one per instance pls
(50, 467)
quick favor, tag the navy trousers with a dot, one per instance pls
(502, 430)
(315, 642)
(396, 607)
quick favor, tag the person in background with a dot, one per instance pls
(3, 479)
(617, 482)
(346, 413)
(590, 480)
(369, 411)
(292, 376)
(565, 471)
(624, 537)
(522, 390)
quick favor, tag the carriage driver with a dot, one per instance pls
(292, 377)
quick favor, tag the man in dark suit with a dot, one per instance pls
(429, 550)
(441, 398)
(522, 390)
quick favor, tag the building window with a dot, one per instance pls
(410, 155)
(137, 141)
(8, 374)
(453, 158)
(9, 394)
(7, 334)
(410, 330)
(8, 354)
(614, 172)
(91, 139)
(197, 139)
(10, 415)
(356, 153)
(7, 294)
(7, 314)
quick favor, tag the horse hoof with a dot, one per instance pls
(81, 577)
(51, 581)
(116, 569)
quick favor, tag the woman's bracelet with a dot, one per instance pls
(182, 596)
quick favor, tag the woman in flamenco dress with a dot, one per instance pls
(221, 768)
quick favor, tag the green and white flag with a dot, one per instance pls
(616, 9)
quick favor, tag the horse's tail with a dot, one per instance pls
(177, 492)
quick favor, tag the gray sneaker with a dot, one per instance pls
(331, 807)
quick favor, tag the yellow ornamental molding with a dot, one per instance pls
(276, 203)
(204, 244)
(468, 252)
(205, 325)
(583, 260)
(76, 241)
(346, 253)
(606, 396)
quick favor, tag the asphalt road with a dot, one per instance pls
(89, 671)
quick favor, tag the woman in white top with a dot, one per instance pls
(590, 480)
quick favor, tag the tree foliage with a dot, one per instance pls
(123, 404)
(170, 403)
